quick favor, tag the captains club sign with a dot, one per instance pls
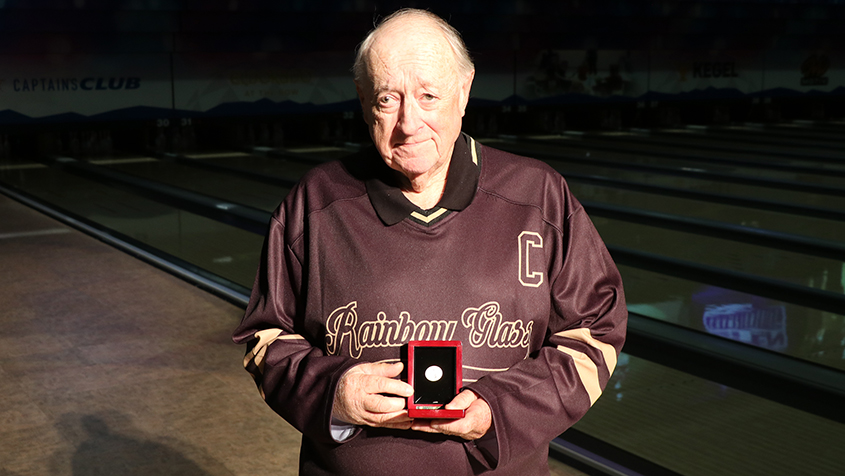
(75, 84)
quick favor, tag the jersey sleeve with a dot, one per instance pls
(538, 398)
(295, 377)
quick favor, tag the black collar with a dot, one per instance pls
(392, 206)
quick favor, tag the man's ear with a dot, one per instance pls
(360, 93)
(365, 107)
(465, 89)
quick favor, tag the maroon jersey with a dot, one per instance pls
(508, 263)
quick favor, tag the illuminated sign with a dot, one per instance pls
(759, 326)
(714, 69)
(74, 84)
(813, 70)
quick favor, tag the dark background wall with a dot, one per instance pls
(218, 72)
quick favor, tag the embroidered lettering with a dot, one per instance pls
(527, 276)
(340, 326)
(487, 328)
(343, 329)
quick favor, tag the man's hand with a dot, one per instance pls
(361, 397)
(472, 426)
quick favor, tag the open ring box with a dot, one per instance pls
(435, 372)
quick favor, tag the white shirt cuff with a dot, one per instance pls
(340, 430)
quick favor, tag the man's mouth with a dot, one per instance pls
(409, 144)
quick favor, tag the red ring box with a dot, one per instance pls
(435, 372)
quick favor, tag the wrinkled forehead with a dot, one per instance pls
(414, 50)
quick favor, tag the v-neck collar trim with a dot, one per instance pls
(392, 206)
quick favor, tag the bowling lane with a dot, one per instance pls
(715, 162)
(830, 230)
(796, 268)
(640, 145)
(288, 163)
(287, 169)
(785, 131)
(824, 127)
(221, 249)
(211, 183)
(790, 329)
(819, 144)
(797, 128)
(695, 139)
(697, 427)
(318, 153)
(713, 186)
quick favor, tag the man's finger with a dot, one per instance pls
(462, 401)
(380, 378)
(382, 404)
(383, 385)
(386, 369)
(474, 425)
(399, 421)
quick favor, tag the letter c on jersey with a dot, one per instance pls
(527, 241)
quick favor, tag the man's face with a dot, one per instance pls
(413, 99)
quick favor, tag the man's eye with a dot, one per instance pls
(428, 97)
(384, 100)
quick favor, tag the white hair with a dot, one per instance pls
(453, 37)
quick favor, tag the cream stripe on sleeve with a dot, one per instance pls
(265, 338)
(587, 370)
(583, 335)
(258, 352)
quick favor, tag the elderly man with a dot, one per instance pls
(431, 236)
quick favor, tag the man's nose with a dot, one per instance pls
(410, 117)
